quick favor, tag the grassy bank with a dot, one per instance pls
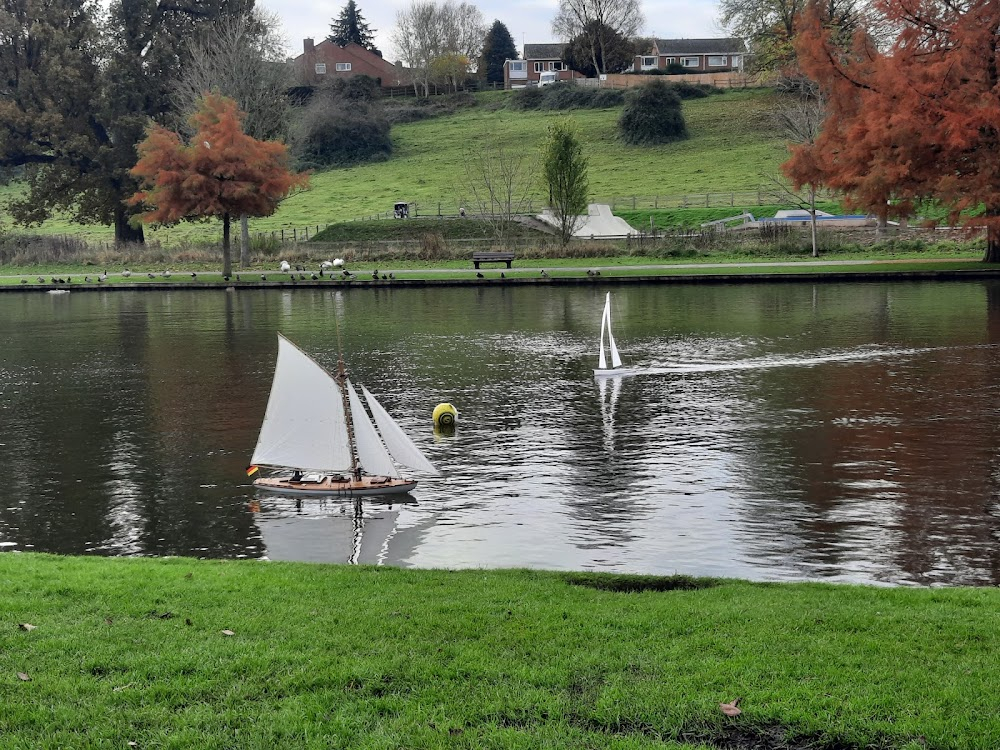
(127, 650)
(732, 144)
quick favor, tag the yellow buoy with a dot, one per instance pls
(445, 415)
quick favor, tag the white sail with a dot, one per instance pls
(605, 321)
(616, 361)
(400, 446)
(304, 425)
(371, 453)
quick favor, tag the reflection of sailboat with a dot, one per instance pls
(328, 531)
(315, 422)
(608, 408)
(616, 368)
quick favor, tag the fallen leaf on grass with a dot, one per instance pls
(133, 744)
(26, 626)
(730, 709)
(228, 632)
(108, 621)
(23, 677)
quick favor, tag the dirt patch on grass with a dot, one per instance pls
(635, 583)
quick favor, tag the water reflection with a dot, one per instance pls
(844, 432)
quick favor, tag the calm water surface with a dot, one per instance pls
(777, 431)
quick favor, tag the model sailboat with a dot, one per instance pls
(616, 369)
(317, 425)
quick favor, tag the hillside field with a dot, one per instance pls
(732, 146)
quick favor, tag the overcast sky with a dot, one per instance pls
(529, 21)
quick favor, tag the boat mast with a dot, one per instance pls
(341, 379)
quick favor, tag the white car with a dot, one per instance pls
(548, 77)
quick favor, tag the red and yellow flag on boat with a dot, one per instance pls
(252, 470)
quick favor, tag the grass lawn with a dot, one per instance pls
(183, 653)
(732, 146)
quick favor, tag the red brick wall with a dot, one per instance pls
(362, 61)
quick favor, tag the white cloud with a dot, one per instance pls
(529, 21)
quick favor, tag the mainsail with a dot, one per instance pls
(616, 360)
(304, 425)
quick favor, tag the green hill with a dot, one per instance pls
(732, 146)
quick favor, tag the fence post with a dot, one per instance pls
(282, 235)
(295, 234)
(306, 230)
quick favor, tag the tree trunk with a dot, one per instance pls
(244, 241)
(125, 232)
(992, 245)
(227, 259)
(812, 217)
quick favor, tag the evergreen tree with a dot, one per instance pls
(351, 27)
(497, 48)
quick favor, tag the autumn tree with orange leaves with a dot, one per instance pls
(222, 173)
(919, 120)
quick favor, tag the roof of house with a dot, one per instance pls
(543, 51)
(700, 46)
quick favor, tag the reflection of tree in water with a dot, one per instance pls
(864, 469)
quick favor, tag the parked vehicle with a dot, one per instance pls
(548, 77)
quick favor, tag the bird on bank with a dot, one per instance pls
(284, 267)
(479, 275)
(545, 274)
(384, 277)
(347, 274)
(263, 277)
(24, 281)
(338, 262)
(502, 275)
(195, 276)
(86, 279)
(126, 273)
(593, 272)
(41, 280)
(152, 276)
(375, 275)
(166, 274)
(225, 278)
(326, 264)
(103, 276)
(315, 277)
(392, 275)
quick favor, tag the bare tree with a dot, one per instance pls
(500, 178)
(426, 31)
(594, 17)
(800, 117)
(242, 58)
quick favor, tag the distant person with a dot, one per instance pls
(296, 476)
(461, 212)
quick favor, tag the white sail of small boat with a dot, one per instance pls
(616, 368)
(315, 423)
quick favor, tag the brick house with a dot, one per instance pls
(694, 55)
(326, 60)
(538, 59)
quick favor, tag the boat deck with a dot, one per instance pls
(339, 486)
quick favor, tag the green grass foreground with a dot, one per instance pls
(182, 653)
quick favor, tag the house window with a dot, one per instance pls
(343, 67)
(690, 62)
(517, 66)
(538, 67)
(717, 61)
(648, 62)
(321, 68)
(670, 60)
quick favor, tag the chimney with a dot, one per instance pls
(307, 45)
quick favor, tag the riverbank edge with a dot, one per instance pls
(168, 651)
(707, 277)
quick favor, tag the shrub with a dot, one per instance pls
(338, 133)
(652, 115)
(356, 88)
(530, 98)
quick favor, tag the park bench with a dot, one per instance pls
(492, 257)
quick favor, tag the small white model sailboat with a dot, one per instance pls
(316, 424)
(616, 369)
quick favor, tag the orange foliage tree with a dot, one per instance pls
(918, 120)
(223, 172)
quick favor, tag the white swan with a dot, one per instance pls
(338, 262)
(284, 267)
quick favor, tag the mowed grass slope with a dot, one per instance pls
(732, 146)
